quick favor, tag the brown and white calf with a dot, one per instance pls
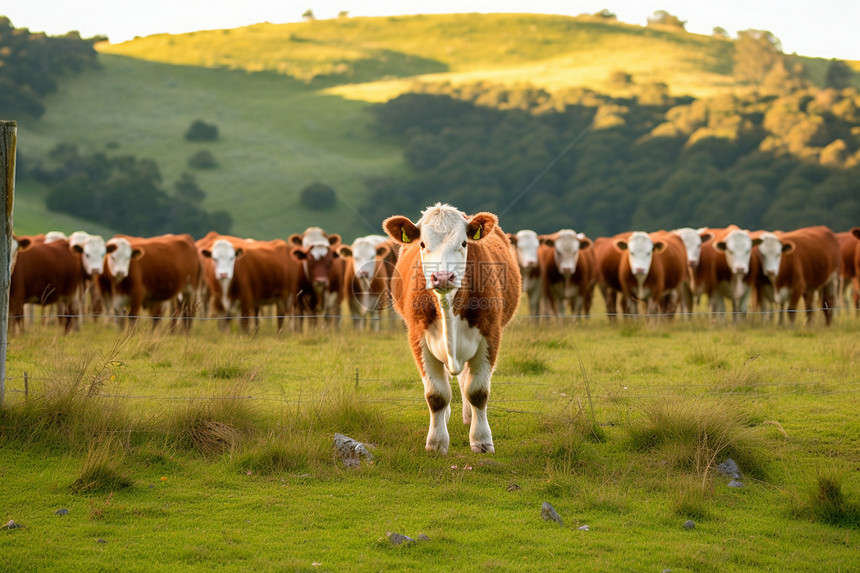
(568, 271)
(456, 285)
(366, 279)
(608, 258)
(525, 244)
(849, 278)
(320, 282)
(727, 269)
(653, 271)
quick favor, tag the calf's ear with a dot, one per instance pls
(401, 229)
(512, 238)
(787, 247)
(345, 251)
(481, 225)
(137, 253)
(299, 254)
(584, 242)
(621, 244)
(659, 246)
(295, 239)
(382, 250)
(334, 239)
(239, 252)
(206, 253)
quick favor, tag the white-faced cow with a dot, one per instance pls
(456, 285)
(320, 284)
(653, 271)
(148, 272)
(568, 272)
(366, 279)
(799, 264)
(727, 269)
(693, 239)
(525, 244)
(92, 251)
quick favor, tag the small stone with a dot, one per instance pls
(12, 525)
(513, 487)
(736, 483)
(398, 539)
(689, 524)
(351, 451)
(547, 512)
(729, 468)
(423, 537)
(583, 528)
(100, 540)
(62, 511)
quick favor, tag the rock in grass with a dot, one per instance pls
(689, 524)
(11, 525)
(351, 451)
(547, 512)
(62, 511)
(736, 483)
(399, 539)
(583, 528)
(513, 487)
(729, 468)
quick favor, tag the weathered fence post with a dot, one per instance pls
(8, 143)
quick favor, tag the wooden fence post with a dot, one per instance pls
(8, 143)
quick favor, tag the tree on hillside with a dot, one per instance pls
(663, 18)
(308, 15)
(756, 53)
(839, 75)
(720, 32)
(606, 14)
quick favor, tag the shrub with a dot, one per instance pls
(203, 159)
(201, 131)
(318, 197)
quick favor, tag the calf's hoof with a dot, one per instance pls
(438, 448)
(483, 448)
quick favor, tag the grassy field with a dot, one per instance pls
(289, 100)
(215, 451)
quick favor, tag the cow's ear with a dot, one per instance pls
(757, 241)
(856, 232)
(659, 246)
(401, 229)
(382, 250)
(334, 239)
(345, 251)
(137, 253)
(621, 244)
(720, 245)
(24, 244)
(546, 240)
(705, 236)
(110, 247)
(584, 242)
(77, 248)
(206, 253)
(512, 238)
(787, 247)
(481, 225)
(239, 252)
(299, 254)
(295, 239)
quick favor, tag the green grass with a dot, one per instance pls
(172, 466)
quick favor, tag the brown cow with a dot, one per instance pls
(320, 282)
(568, 271)
(653, 271)
(849, 278)
(456, 285)
(250, 274)
(366, 280)
(147, 272)
(727, 269)
(608, 258)
(808, 261)
(45, 273)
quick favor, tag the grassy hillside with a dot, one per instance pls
(289, 100)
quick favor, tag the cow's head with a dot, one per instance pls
(693, 240)
(92, 249)
(364, 252)
(316, 260)
(526, 243)
(640, 251)
(566, 246)
(771, 250)
(223, 256)
(119, 256)
(18, 244)
(737, 246)
(443, 235)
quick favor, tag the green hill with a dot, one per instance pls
(290, 100)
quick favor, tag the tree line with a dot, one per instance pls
(30, 64)
(603, 164)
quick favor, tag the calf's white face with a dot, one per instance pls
(527, 249)
(93, 251)
(567, 246)
(364, 257)
(119, 257)
(443, 234)
(737, 246)
(771, 250)
(223, 256)
(640, 250)
(692, 244)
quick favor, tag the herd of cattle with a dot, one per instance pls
(310, 276)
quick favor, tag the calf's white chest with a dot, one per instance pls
(452, 341)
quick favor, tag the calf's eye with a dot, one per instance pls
(422, 244)
(464, 244)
